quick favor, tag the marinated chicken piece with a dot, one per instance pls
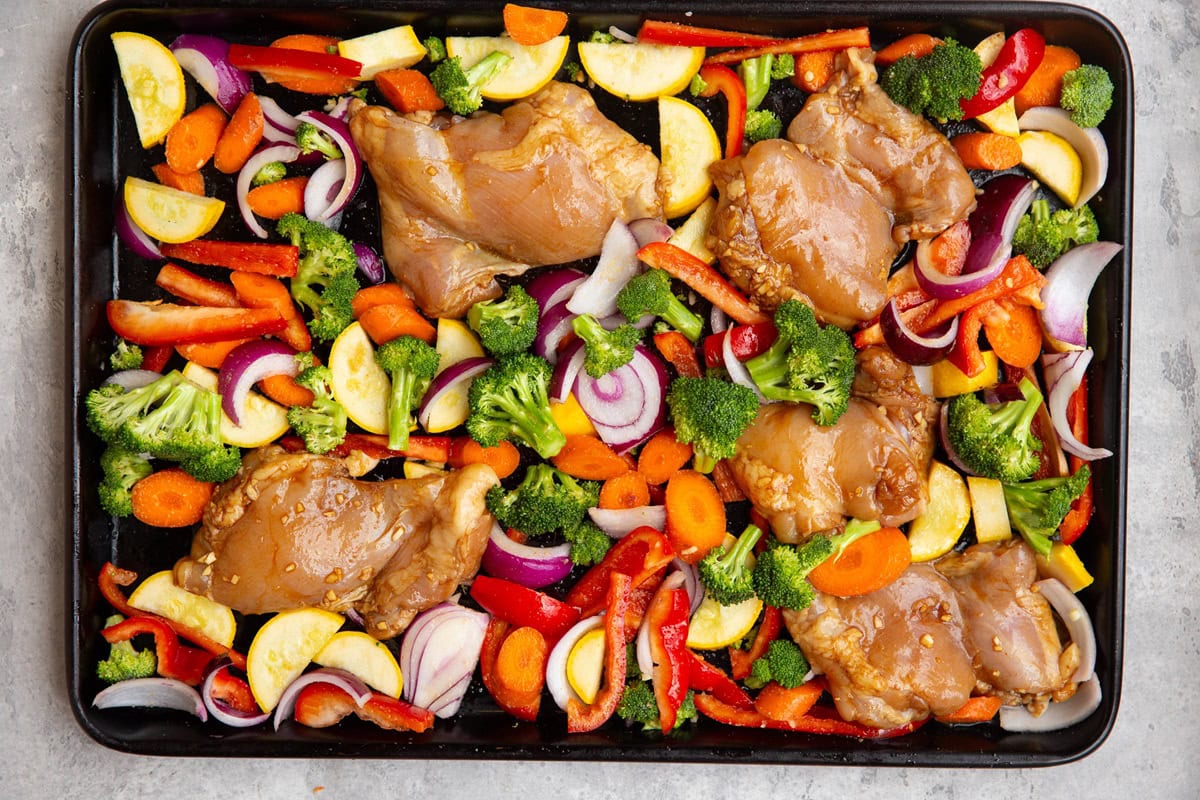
(495, 194)
(872, 464)
(893, 656)
(898, 157)
(792, 226)
(293, 530)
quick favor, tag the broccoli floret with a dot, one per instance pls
(605, 350)
(270, 172)
(588, 543)
(506, 326)
(545, 501)
(725, 573)
(808, 363)
(509, 401)
(214, 466)
(638, 705)
(781, 572)
(934, 84)
(784, 663)
(761, 124)
(784, 66)
(574, 71)
(1042, 236)
(310, 139)
(602, 37)
(109, 407)
(697, 86)
(996, 441)
(461, 89)
(322, 424)
(122, 469)
(324, 282)
(1087, 92)
(410, 364)
(185, 425)
(710, 414)
(126, 356)
(1037, 508)
(650, 293)
(435, 49)
(124, 660)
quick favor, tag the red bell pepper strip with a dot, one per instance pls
(155, 358)
(166, 323)
(746, 341)
(719, 78)
(233, 691)
(520, 707)
(706, 281)
(639, 603)
(280, 260)
(187, 285)
(424, 448)
(580, 717)
(966, 354)
(639, 554)
(1077, 518)
(523, 606)
(1018, 58)
(320, 705)
(705, 677)
(826, 40)
(291, 63)
(740, 661)
(175, 660)
(679, 353)
(818, 720)
(667, 619)
(680, 35)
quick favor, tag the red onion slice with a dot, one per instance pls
(737, 370)
(273, 114)
(645, 658)
(534, 567)
(618, 522)
(223, 712)
(566, 371)
(1081, 705)
(448, 652)
(1064, 372)
(556, 664)
(287, 153)
(454, 379)
(323, 188)
(134, 237)
(1000, 206)
(206, 59)
(938, 284)
(648, 229)
(912, 347)
(246, 365)
(152, 693)
(554, 286)
(1069, 282)
(347, 682)
(339, 132)
(369, 263)
(628, 405)
(417, 634)
(691, 582)
(618, 263)
(718, 320)
(1079, 624)
(553, 326)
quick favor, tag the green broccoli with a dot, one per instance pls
(711, 414)
(310, 139)
(214, 466)
(122, 469)
(545, 501)
(638, 705)
(1037, 508)
(185, 425)
(808, 363)
(996, 441)
(784, 66)
(781, 572)
(1042, 236)
(756, 76)
(126, 356)
(602, 37)
(588, 543)
(324, 282)
(725, 572)
(509, 401)
(322, 424)
(461, 89)
(1087, 92)
(435, 49)
(574, 71)
(761, 124)
(124, 660)
(110, 406)
(650, 293)
(697, 86)
(784, 663)
(410, 364)
(270, 172)
(605, 350)
(506, 326)
(934, 84)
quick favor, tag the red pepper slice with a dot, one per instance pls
(966, 354)
(233, 691)
(175, 660)
(746, 341)
(706, 281)
(520, 707)
(166, 323)
(425, 448)
(189, 286)
(1076, 521)
(818, 720)
(280, 260)
(291, 63)
(320, 705)
(679, 35)
(814, 42)
(639, 603)
(155, 358)
(679, 352)
(667, 618)
(705, 677)
(1018, 58)
(640, 554)
(522, 606)
(740, 661)
(720, 78)
(580, 717)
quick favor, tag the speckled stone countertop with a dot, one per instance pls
(1151, 753)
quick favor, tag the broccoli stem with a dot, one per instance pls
(535, 423)
(400, 408)
(681, 318)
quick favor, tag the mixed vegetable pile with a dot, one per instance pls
(606, 400)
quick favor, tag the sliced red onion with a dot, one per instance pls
(554, 286)
(273, 114)
(628, 405)
(648, 229)
(130, 379)
(556, 664)
(134, 237)
(369, 263)
(999, 208)
(718, 320)
(340, 108)
(737, 370)
(444, 651)
(1064, 372)
(691, 582)
(206, 59)
(1079, 624)
(223, 712)
(323, 187)
(534, 567)
(617, 33)
(553, 326)
(618, 263)
(938, 284)
(1081, 705)
(912, 347)
(618, 522)
(947, 445)
(452, 382)
(1088, 143)
(349, 683)
(152, 693)
(246, 365)
(447, 705)
(566, 371)
(1069, 282)
(287, 153)
(339, 132)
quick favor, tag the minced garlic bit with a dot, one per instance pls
(291, 567)
(334, 576)
(996, 645)
(927, 641)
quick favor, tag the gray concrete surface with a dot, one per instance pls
(1151, 753)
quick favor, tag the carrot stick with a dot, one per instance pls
(504, 458)
(192, 182)
(1014, 332)
(208, 354)
(408, 90)
(241, 135)
(707, 282)
(976, 709)
(387, 322)
(627, 490)
(284, 390)
(869, 563)
(170, 498)
(383, 294)
(916, 45)
(826, 40)
(273, 200)
(330, 85)
(695, 515)
(192, 141)
(586, 457)
(983, 150)
(200, 291)
(1044, 86)
(263, 291)
(521, 663)
(662, 456)
(813, 70)
(532, 26)
(777, 702)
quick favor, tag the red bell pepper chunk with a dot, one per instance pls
(425, 448)
(667, 619)
(187, 285)
(679, 35)
(815, 42)
(155, 358)
(523, 606)
(706, 281)
(520, 707)
(175, 660)
(966, 354)
(291, 63)
(166, 323)
(746, 341)
(233, 691)
(580, 717)
(640, 554)
(1018, 58)
(740, 661)
(719, 78)
(679, 352)
(320, 705)
(705, 677)
(1080, 514)
(280, 260)
(818, 720)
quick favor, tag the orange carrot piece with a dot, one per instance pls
(313, 44)
(532, 26)
(386, 322)
(984, 150)
(521, 663)
(1014, 332)
(813, 70)
(586, 457)
(916, 45)
(192, 182)
(1017, 274)
(383, 294)
(284, 390)
(192, 141)
(241, 135)
(408, 90)
(779, 703)
(695, 515)
(170, 498)
(1044, 86)
(264, 291)
(208, 354)
(503, 458)
(869, 563)
(662, 456)
(273, 200)
(825, 40)
(627, 490)
(976, 709)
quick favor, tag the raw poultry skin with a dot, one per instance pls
(294, 529)
(538, 184)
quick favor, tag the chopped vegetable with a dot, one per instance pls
(781, 572)
(170, 498)
(1087, 93)
(1037, 508)
(410, 364)
(122, 470)
(650, 293)
(588, 543)
(510, 401)
(508, 325)
(1042, 236)
(695, 515)
(996, 441)
(461, 89)
(783, 663)
(322, 423)
(545, 501)
(710, 414)
(241, 136)
(606, 350)
(935, 83)
(125, 356)
(726, 572)
(324, 281)
(124, 661)
(532, 26)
